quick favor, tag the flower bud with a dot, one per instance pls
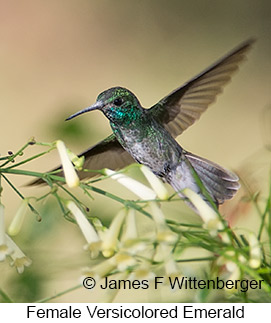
(70, 174)
(17, 222)
(156, 184)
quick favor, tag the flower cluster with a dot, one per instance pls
(131, 255)
(125, 250)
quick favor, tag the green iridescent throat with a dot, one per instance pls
(124, 115)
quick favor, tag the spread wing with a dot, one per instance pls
(181, 108)
(108, 153)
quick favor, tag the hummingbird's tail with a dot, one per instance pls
(220, 183)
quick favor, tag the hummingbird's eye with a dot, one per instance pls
(118, 101)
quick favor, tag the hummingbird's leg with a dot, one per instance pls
(163, 173)
(159, 174)
(167, 168)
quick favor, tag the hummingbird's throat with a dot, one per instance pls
(124, 116)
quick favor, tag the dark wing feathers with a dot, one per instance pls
(181, 108)
(105, 154)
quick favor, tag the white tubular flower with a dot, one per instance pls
(110, 239)
(171, 267)
(225, 260)
(111, 293)
(17, 222)
(124, 260)
(4, 251)
(130, 231)
(208, 215)
(101, 269)
(254, 251)
(130, 241)
(20, 260)
(100, 228)
(164, 254)
(157, 215)
(231, 266)
(87, 229)
(235, 274)
(70, 174)
(164, 234)
(225, 237)
(166, 239)
(142, 272)
(4, 247)
(156, 184)
(134, 186)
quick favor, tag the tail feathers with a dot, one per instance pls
(219, 182)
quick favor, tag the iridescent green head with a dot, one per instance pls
(118, 104)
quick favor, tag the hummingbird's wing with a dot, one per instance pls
(181, 108)
(108, 153)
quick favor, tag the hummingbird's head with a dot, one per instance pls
(118, 104)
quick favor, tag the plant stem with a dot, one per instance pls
(59, 294)
(12, 157)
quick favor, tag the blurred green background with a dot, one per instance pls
(56, 56)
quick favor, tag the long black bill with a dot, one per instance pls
(96, 106)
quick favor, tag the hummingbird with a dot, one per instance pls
(147, 136)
